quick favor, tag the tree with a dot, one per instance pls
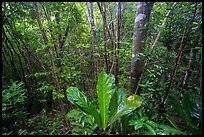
(49, 50)
(117, 46)
(94, 39)
(139, 40)
(102, 9)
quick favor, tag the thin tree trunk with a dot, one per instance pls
(49, 50)
(113, 38)
(187, 71)
(18, 39)
(4, 57)
(94, 41)
(51, 32)
(12, 59)
(163, 24)
(58, 20)
(117, 47)
(64, 37)
(27, 62)
(12, 62)
(56, 44)
(139, 40)
(23, 73)
(59, 53)
(175, 66)
(105, 31)
(177, 59)
(201, 78)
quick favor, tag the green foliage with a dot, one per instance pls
(109, 106)
(126, 106)
(105, 86)
(104, 92)
(43, 125)
(190, 110)
(6, 131)
(23, 132)
(13, 101)
(83, 124)
(79, 99)
(171, 120)
(143, 125)
(13, 106)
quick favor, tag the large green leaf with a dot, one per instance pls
(113, 103)
(104, 92)
(126, 106)
(116, 99)
(77, 98)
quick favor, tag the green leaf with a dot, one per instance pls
(125, 123)
(174, 100)
(126, 106)
(170, 130)
(187, 107)
(116, 98)
(151, 123)
(76, 124)
(113, 103)
(151, 130)
(171, 121)
(77, 98)
(104, 92)
(137, 124)
(73, 114)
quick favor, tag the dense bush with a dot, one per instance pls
(13, 104)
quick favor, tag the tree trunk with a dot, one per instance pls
(179, 54)
(51, 32)
(23, 73)
(187, 72)
(49, 50)
(105, 38)
(4, 57)
(113, 37)
(94, 40)
(57, 42)
(117, 46)
(139, 40)
(201, 77)
(27, 62)
(12, 59)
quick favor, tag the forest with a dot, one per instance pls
(102, 68)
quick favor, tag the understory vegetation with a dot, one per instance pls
(102, 68)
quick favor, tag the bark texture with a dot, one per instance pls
(139, 41)
(94, 40)
(106, 32)
(117, 46)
